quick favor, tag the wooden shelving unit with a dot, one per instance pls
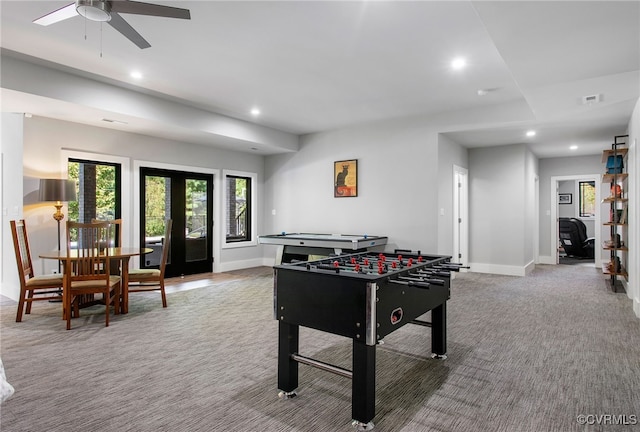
(617, 223)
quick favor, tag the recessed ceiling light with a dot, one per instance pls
(458, 63)
(573, 147)
(255, 111)
(531, 133)
(136, 74)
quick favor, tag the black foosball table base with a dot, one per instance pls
(362, 305)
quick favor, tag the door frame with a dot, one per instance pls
(217, 199)
(461, 215)
(555, 229)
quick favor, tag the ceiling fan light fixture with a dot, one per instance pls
(94, 10)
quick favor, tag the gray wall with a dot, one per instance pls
(397, 185)
(571, 210)
(500, 204)
(450, 153)
(558, 167)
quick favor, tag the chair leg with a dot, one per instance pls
(20, 306)
(117, 299)
(107, 305)
(164, 296)
(66, 301)
(29, 302)
(76, 307)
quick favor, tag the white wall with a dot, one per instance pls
(40, 146)
(11, 150)
(38, 81)
(633, 168)
(529, 215)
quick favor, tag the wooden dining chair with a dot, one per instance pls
(153, 279)
(86, 269)
(114, 236)
(115, 230)
(32, 288)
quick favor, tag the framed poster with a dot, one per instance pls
(564, 198)
(345, 178)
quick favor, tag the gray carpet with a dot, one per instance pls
(525, 354)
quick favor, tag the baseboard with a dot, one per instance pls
(547, 259)
(269, 262)
(500, 269)
(239, 265)
(529, 267)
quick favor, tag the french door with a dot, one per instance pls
(187, 199)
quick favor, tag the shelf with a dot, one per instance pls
(606, 271)
(618, 212)
(608, 178)
(622, 273)
(621, 151)
(614, 199)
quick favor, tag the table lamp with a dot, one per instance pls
(58, 191)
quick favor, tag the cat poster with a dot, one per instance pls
(345, 178)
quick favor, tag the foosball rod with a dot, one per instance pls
(322, 365)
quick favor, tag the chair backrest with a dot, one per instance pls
(115, 230)
(92, 262)
(21, 247)
(573, 234)
(574, 227)
(166, 245)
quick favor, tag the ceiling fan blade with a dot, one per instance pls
(139, 8)
(63, 13)
(118, 23)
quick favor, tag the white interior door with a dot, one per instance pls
(460, 215)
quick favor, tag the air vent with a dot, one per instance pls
(114, 121)
(591, 99)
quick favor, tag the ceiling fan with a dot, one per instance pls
(109, 11)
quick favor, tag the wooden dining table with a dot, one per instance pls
(117, 253)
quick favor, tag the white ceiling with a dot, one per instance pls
(317, 66)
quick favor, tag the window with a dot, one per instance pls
(239, 207)
(587, 198)
(98, 186)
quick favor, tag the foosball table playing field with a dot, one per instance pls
(363, 296)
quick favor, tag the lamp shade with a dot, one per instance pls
(57, 190)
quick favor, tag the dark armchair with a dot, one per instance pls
(574, 240)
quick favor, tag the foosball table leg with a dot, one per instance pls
(439, 332)
(288, 341)
(363, 386)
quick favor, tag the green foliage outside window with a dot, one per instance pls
(105, 191)
(587, 191)
(155, 204)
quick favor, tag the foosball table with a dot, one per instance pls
(363, 296)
